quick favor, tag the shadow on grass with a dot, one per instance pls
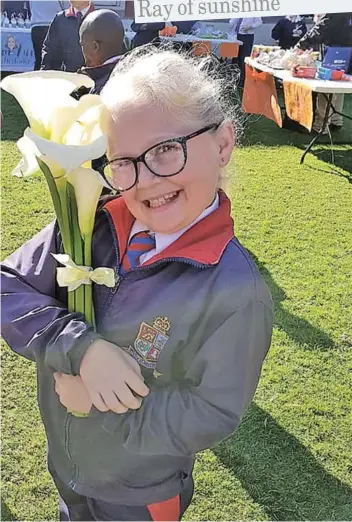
(280, 474)
(6, 514)
(299, 330)
(263, 132)
(336, 157)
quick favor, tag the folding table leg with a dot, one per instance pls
(325, 123)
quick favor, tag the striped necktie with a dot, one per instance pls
(238, 25)
(139, 244)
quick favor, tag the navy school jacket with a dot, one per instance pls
(61, 47)
(198, 319)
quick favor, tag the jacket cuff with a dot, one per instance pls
(77, 353)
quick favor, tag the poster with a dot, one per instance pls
(17, 54)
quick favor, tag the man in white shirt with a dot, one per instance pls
(42, 13)
(244, 29)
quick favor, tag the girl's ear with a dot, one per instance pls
(226, 142)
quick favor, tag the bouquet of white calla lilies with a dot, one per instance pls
(64, 137)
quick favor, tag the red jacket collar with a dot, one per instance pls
(204, 243)
(70, 12)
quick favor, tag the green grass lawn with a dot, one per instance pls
(291, 457)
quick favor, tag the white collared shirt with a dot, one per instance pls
(162, 241)
(253, 23)
(83, 11)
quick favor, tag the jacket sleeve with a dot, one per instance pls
(276, 32)
(157, 26)
(304, 29)
(34, 322)
(317, 34)
(256, 22)
(137, 27)
(52, 53)
(209, 403)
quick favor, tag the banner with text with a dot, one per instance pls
(159, 11)
(17, 53)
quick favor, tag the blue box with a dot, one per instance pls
(324, 73)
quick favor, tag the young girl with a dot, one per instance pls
(180, 340)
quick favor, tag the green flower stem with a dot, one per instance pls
(88, 290)
(57, 187)
(53, 190)
(77, 245)
(61, 184)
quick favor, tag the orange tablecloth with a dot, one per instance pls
(260, 97)
(299, 103)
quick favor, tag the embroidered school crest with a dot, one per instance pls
(150, 342)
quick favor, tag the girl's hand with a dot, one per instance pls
(72, 393)
(112, 377)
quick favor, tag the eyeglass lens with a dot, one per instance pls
(165, 159)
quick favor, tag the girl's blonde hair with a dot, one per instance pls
(191, 89)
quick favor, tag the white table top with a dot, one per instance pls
(188, 38)
(195, 38)
(325, 86)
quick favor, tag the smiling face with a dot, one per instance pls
(167, 205)
(11, 43)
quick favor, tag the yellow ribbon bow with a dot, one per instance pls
(73, 276)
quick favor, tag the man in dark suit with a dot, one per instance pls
(146, 33)
(61, 48)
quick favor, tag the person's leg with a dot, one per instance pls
(320, 112)
(337, 103)
(38, 34)
(244, 51)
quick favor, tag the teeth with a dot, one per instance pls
(158, 202)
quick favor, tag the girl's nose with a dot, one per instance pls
(145, 176)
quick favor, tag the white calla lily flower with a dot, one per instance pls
(28, 164)
(69, 157)
(40, 92)
(30, 152)
(87, 184)
(63, 118)
(64, 136)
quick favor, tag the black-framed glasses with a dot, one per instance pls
(165, 159)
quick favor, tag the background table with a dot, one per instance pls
(187, 38)
(322, 86)
(17, 54)
(326, 87)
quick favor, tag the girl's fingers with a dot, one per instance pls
(98, 402)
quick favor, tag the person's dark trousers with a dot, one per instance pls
(80, 508)
(244, 51)
(38, 34)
